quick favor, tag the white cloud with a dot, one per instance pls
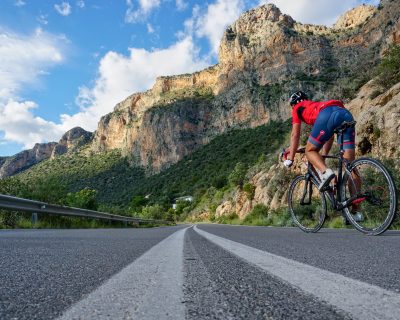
(25, 58)
(324, 12)
(42, 19)
(19, 3)
(150, 28)
(63, 8)
(120, 76)
(181, 5)
(133, 15)
(21, 126)
(212, 23)
(80, 4)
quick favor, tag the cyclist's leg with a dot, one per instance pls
(321, 133)
(327, 146)
(354, 184)
(312, 153)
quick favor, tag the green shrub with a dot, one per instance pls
(137, 203)
(388, 71)
(85, 199)
(9, 219)
(336, 222)
(257, 216)
(219, 182)
(181, 205)
(249, 189)
(281, 217)
(231, 218)
(236, 177)
(375, 94)
(152, 212)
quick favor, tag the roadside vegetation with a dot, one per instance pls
(388, 71)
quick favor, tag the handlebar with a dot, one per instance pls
(283, 154)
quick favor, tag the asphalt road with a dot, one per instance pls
(206, 272)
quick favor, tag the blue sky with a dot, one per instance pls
(67, 63)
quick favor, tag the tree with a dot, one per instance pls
(50, 190)
(152, 212)
(388, 70)
(12, 187)
(84, 199)
(236, 177)
(137, 203)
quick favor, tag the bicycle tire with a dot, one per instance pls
(317, 211)
(377, 182)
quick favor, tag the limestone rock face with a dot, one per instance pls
(70, 141)
(25, 159)
(378, 121)
(355, 17)
(263, 56)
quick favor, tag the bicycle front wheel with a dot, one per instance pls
(307, 205)
(374, 191)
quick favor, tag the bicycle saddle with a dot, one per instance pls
(345, 125)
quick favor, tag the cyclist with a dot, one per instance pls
(325, 117)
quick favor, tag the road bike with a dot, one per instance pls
(364, 184)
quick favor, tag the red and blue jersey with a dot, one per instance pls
(308, 110)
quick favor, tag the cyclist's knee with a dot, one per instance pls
(311, 148)
(349, 154)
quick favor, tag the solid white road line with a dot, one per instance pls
(148, 288)
(360, 300)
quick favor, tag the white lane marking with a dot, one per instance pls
(361, 300)
(148, 288)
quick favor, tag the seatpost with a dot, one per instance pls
(341, 141)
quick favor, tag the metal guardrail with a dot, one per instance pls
(35, 207)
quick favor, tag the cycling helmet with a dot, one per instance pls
(296, 97)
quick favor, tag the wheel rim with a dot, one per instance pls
(310, 215)
(376, 206)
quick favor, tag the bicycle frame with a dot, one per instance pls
(333, 194)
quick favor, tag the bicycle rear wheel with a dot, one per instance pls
(375, 193)
(307, 205)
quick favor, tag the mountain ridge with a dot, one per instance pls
(263, 55)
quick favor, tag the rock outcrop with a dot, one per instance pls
(71, 141)
(27, 158)
(355, 17)
(263, 56)
(378, 121)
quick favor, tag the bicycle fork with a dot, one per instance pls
(307, 189)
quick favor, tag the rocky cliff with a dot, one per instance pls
(71, 141)
(263, 56)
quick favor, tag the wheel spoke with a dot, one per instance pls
(370, 178)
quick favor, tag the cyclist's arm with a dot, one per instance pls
(327, 146)
(294, 140)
